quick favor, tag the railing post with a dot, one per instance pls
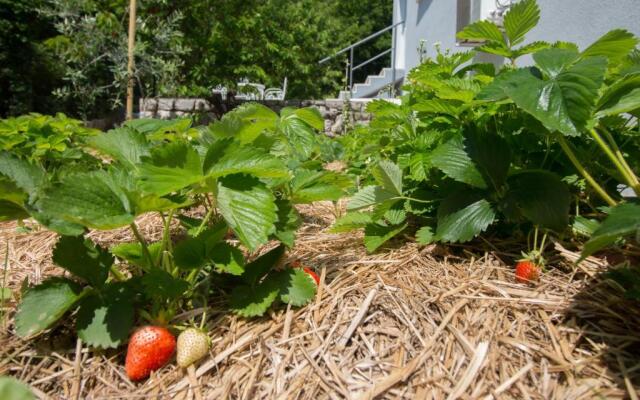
(351, 73)
(393, 62)
(346, 73)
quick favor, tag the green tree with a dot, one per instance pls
(27, 75)
(92, 48)
(268, 40)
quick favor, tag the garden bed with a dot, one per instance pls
(406, 322)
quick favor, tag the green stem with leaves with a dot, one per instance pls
(205, 221)
(634, 181)
(119, 276)
(627, 175)
(166, 235)
(585, 174)
(143, 243)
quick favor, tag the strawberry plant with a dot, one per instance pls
(50, 141)
(472, 148)
(246, 172)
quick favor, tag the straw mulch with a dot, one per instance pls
(409, 322)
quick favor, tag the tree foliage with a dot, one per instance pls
(78, 50)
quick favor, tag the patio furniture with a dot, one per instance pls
(276, 93)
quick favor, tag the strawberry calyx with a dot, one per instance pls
(306, 269)
(535, 257)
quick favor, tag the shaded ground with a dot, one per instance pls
(409, 322)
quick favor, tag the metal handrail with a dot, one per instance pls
(350, 68)
(359, 42)
(384, 53)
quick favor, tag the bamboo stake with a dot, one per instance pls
(130, 65)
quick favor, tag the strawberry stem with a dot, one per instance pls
(585, 174)
(143, 243)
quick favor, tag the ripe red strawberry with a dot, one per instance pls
(150, 347)
(312, 274)
(527, 271)
(193, 344)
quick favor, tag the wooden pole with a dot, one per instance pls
(130, 65)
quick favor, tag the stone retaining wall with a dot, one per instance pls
(334, 112)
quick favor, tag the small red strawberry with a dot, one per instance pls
(150, 347)
(527, 271)
(312, 274)
(193, 344)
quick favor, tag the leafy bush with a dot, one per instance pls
(247, 171)
(471, 148)
(91, 49)
(49, 141)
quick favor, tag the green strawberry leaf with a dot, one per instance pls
(94, 199)
(351, 221)
(584, 226)
(44, 304)
(83, 258)
(227, 259)
(249, 209)
(149, 126)
(190, 253)
(248, 301)
(520, 19)
(296, 286)
(615, 45)
(171, 168)
(245, 123)
(541, 197)
(460, 219)
(376, 235)
(159, 284)
(124, 145)
(395, 214)
(622, 221)
(452, 159)
(132, 253)
(309, 186)
(425, 235)
(24, 175)
(563, 100)
(481, 30)
(10, 211)
(10, 192)
(439, 106)
(311, 116)
(11, 388)
(105, 321)
(490, 154)
(613, 94)
(301, 138)
(627, 103)
(369, 196)
(258, 268)
(389, 176)
(248, 160)
(288, 222)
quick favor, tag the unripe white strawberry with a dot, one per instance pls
(193, 344)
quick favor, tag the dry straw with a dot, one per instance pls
(408, 322)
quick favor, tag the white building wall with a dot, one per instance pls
(579, 21)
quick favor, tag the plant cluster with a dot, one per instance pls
(472, 149)
(244, 174)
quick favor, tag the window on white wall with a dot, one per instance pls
(470, 11)
(466, 13)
